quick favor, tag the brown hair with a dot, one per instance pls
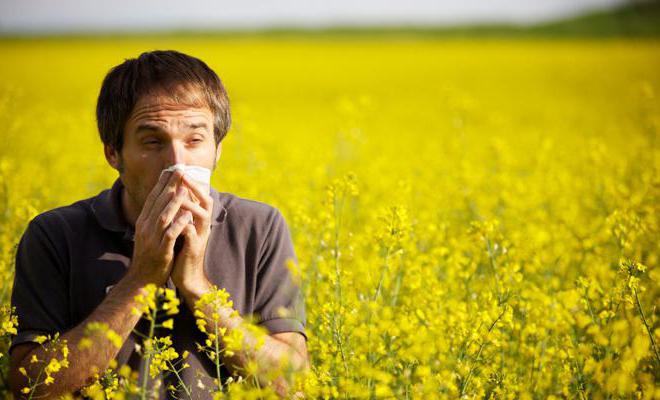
(187, 79)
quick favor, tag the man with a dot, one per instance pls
(86, 262)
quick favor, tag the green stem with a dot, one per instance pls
(36, 383)
(336, 325)
(382, 272)
(493, 265)
(178, 377)
(145, 369)
(580, 379)
(217, 355)
(338, 213)
(481, 347)
(646, 325)
(591, 312)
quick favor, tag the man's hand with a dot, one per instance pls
(156, 230)
(188, 270)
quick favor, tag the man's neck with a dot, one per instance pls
(128, 208)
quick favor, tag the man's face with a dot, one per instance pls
(158, 134)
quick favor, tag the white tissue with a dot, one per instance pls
(199, 174)
(194, 172)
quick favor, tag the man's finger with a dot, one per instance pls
(165, 196)
(170, 211)
(204, 198)
(201, 217)
(174, 230)
(155, 192)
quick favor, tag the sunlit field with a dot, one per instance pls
(472, 218)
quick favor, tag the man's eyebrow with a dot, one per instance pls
(148, 127)
(153, 127)
(197, 125)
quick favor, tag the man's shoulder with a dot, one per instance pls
(246, 211)
(68, 216)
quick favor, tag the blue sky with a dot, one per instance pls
(79, 15)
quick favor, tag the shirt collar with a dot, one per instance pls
(108, 210)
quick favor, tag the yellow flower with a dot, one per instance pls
(85, 343)
(114, 338)
(53, 366)
(102, 329)
(40, 339)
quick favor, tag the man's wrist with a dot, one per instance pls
(193, 291)
(132, 283)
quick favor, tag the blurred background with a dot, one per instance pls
(343, 74)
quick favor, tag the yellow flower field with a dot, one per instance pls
(473, 218)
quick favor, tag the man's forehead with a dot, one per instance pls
(163, 106)
(163, 112)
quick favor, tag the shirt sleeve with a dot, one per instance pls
(279, 305)
(40, 286)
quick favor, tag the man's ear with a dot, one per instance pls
(218, 150)
(112, 156)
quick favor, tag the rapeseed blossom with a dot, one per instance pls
(457, 236)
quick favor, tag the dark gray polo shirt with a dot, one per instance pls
(70, 257)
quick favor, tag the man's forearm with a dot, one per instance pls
(273, 357)
(269, 357)
(115, 310)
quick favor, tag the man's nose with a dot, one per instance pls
(176, 153)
